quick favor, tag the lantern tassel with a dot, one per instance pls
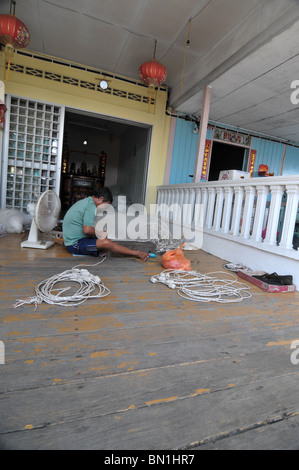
(9, 53)
(7, 75)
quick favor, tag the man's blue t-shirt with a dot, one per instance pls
(81, 213)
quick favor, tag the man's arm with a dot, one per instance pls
(88, 230)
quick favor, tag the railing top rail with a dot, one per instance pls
(260, 181)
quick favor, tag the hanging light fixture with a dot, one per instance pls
(13, 34)
(152, 73)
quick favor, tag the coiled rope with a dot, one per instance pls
(90, 287)
(204, 287)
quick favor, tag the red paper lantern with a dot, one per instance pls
(152, 73)
(13, 32)
(14, 35)
(3, 108)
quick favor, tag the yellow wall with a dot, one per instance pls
(43, 80)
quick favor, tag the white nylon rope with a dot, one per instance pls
(88, 285)
(204, 287)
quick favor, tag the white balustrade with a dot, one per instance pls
(253, 210)
(251, 221)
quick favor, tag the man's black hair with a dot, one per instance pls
(105, 193)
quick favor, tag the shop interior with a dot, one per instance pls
(99, 151)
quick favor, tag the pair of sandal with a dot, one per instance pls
(275, 279)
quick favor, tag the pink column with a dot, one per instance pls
(202, 134)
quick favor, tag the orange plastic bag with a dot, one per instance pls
(175, 259)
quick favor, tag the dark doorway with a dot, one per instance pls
(225, 157)
(104, 151)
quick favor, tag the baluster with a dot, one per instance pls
(210, 208)
(167, 199)
(192, 204)
(218, 208)
(262, 194)
(235, 228)
(197, 206)
(176, 206)
(274, 213)
(189, 206)
(162, 202)
(186, 197)
(205, 196)
(290, 216)
(170, 201)
(248, 209)
(227, 210)
(180, 205)
(159, 196)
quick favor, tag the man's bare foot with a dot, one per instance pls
(142, 256)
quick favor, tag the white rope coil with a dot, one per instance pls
(204, 287)
(88, 285)
(236, 267)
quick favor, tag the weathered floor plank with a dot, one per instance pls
(184, 422)
(143, 368)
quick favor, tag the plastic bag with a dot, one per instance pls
(175, 259)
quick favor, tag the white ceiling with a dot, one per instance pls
(246, 50)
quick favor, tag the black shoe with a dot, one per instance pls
(275, 279)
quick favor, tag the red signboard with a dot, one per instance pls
(206, 158)
(251, 161)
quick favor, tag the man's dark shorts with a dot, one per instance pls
(84, 246)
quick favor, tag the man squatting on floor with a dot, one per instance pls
(79, 232)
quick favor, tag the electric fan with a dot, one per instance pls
(45, 216)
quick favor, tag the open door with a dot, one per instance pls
(126, 145)
(227, 157)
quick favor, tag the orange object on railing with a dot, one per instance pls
(175, 259)
(263, 170)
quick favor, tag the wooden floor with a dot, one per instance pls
(143, 368)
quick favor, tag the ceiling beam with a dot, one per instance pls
(211, 66)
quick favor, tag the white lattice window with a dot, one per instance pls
(32, 151)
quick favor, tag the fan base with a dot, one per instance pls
(42, 245)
